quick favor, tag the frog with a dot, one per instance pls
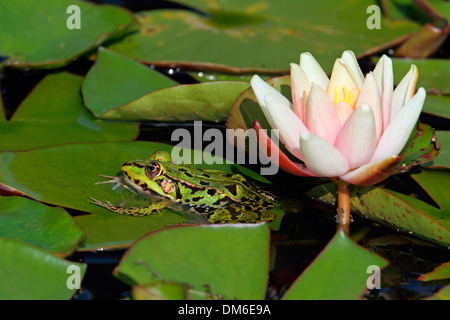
(216, 195)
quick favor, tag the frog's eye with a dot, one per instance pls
(153, 170)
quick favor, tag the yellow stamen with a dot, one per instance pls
(349, 96)
(337, 96)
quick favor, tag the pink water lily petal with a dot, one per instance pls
(261, 89)
(349, 57)
(384, 76)
(370, 95)
(404, 91)
(287, 122)
(341, 76)
(322, 157)
(343, 110)
(372, 173)
(321, 117)
(277, 156)
(357, 140)
(398, 131)
(300, 87)
(313, 70)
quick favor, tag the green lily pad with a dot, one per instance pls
(244, 37)
(120, 88)
(339, 272)
(440, 7)
(65, 175)
(115, 80)
(37, 35)
(442, 294)
(399, 211)
(432, 73)
(47, 227)
(28, 273)
(232, 260)
(443, 160)
(203, 76)
(159, 290)
(53, 113)
(437, 106)
(422, 148)
(204, 101)
(440, 272)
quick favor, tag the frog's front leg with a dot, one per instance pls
(131, 211)
(118, 182)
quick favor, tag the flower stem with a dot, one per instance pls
(343, 207)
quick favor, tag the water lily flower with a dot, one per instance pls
(348, 127)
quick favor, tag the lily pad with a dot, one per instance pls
(440, 272)
(401, 212)
(65, 175)
(159, 290)
(443, 160)
(29, 272)
(339, 272)
(115, 80)
(53, 113)
(202, 256)
(244, 37)
(433, 77)
(437, 106)
(422, 148)
(442, 294)
(47, 227)
(121, 88)
(37, 35)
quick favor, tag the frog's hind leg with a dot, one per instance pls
(131, 211)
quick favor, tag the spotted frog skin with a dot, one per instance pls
(217, 195)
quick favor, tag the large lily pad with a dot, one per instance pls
(121, 88)
(422, 148)
(440, 272)
(66, 175)
(47, 227)
(432, 73)
(437, 106)
(237, 36)
(53, 113)
(232, 260)
(29, 272)
(339, 272)
(443, 160)
(399, 211)
(35, 34)
(115, 80)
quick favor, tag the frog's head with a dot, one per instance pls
(149, 177)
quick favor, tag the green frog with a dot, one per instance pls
(219, 196)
